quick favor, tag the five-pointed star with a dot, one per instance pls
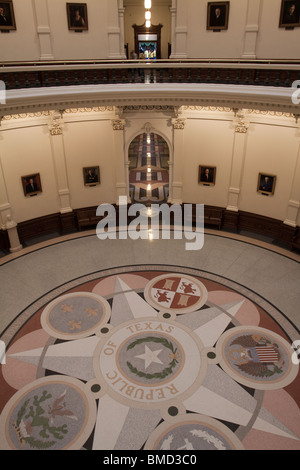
(150, 356)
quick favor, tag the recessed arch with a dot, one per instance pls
(148, 158)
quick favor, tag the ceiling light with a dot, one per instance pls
(148, 15)
(148, 23)
(148, 4)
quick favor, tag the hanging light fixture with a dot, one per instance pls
(148, 4)
(148, 15)
(148, 23)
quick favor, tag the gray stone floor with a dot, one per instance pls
(272, 273)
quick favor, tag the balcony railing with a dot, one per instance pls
(231, 72)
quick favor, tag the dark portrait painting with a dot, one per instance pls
(207, 175)
(7, 16)
(289, 14)
(217, 15)
(77, 16)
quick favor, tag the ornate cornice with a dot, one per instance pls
(155, 97)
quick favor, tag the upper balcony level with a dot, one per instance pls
(232, 83)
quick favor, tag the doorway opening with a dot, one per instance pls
(147, 41)
(148, 169)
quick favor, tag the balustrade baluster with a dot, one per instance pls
(37, 79)
(288, 81)
(57, 80)
(66, 75)
(257, 77)
(124, 76)
(227, 80)
(16, 76)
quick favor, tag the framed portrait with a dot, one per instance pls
(91, 175)
(266, 184)
(207, 175)
(31, 184)
(77, 16)
(217, 15)
(289, 14)
(7, 16)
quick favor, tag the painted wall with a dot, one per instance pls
(274, 42)
(253, 32)
(42, 32)
(25, 35)
(90, 144)
(26, 151)
(209, 44)
(91, 44)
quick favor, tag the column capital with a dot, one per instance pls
(240, 121)
(178, 123)
(241, 127)
(118, 124)
(55, 125)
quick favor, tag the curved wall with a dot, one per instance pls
(241, 146)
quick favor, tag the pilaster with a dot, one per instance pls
(58, 155)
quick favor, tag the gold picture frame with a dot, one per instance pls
(7, 16)
(217, 16)
(266, 184)
(31, 184)
(91, 175)
(289, 14)
(77, 17)
(207, 175)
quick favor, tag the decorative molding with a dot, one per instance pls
(241, 127)
(149, 108)
(148, 128)
(207, 108)
(118, 124)
(96, 109)
(241, 124)
(178, 123)
(55, 126)
(55, 129)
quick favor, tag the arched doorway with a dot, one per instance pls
(148, 157)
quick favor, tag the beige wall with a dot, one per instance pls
(207, 142)
(91, 44)
(274, 42)
(272, 150)
(42, 31)
(90, 144)
(271, 145)
(209, 44)
(253, 32)
(22, 44)
(25, 151)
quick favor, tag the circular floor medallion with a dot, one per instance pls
(257, 357)
(52, 413)
(170, 378)
(76, 315)
(147, 362)
(176, 293)
(189, 433)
